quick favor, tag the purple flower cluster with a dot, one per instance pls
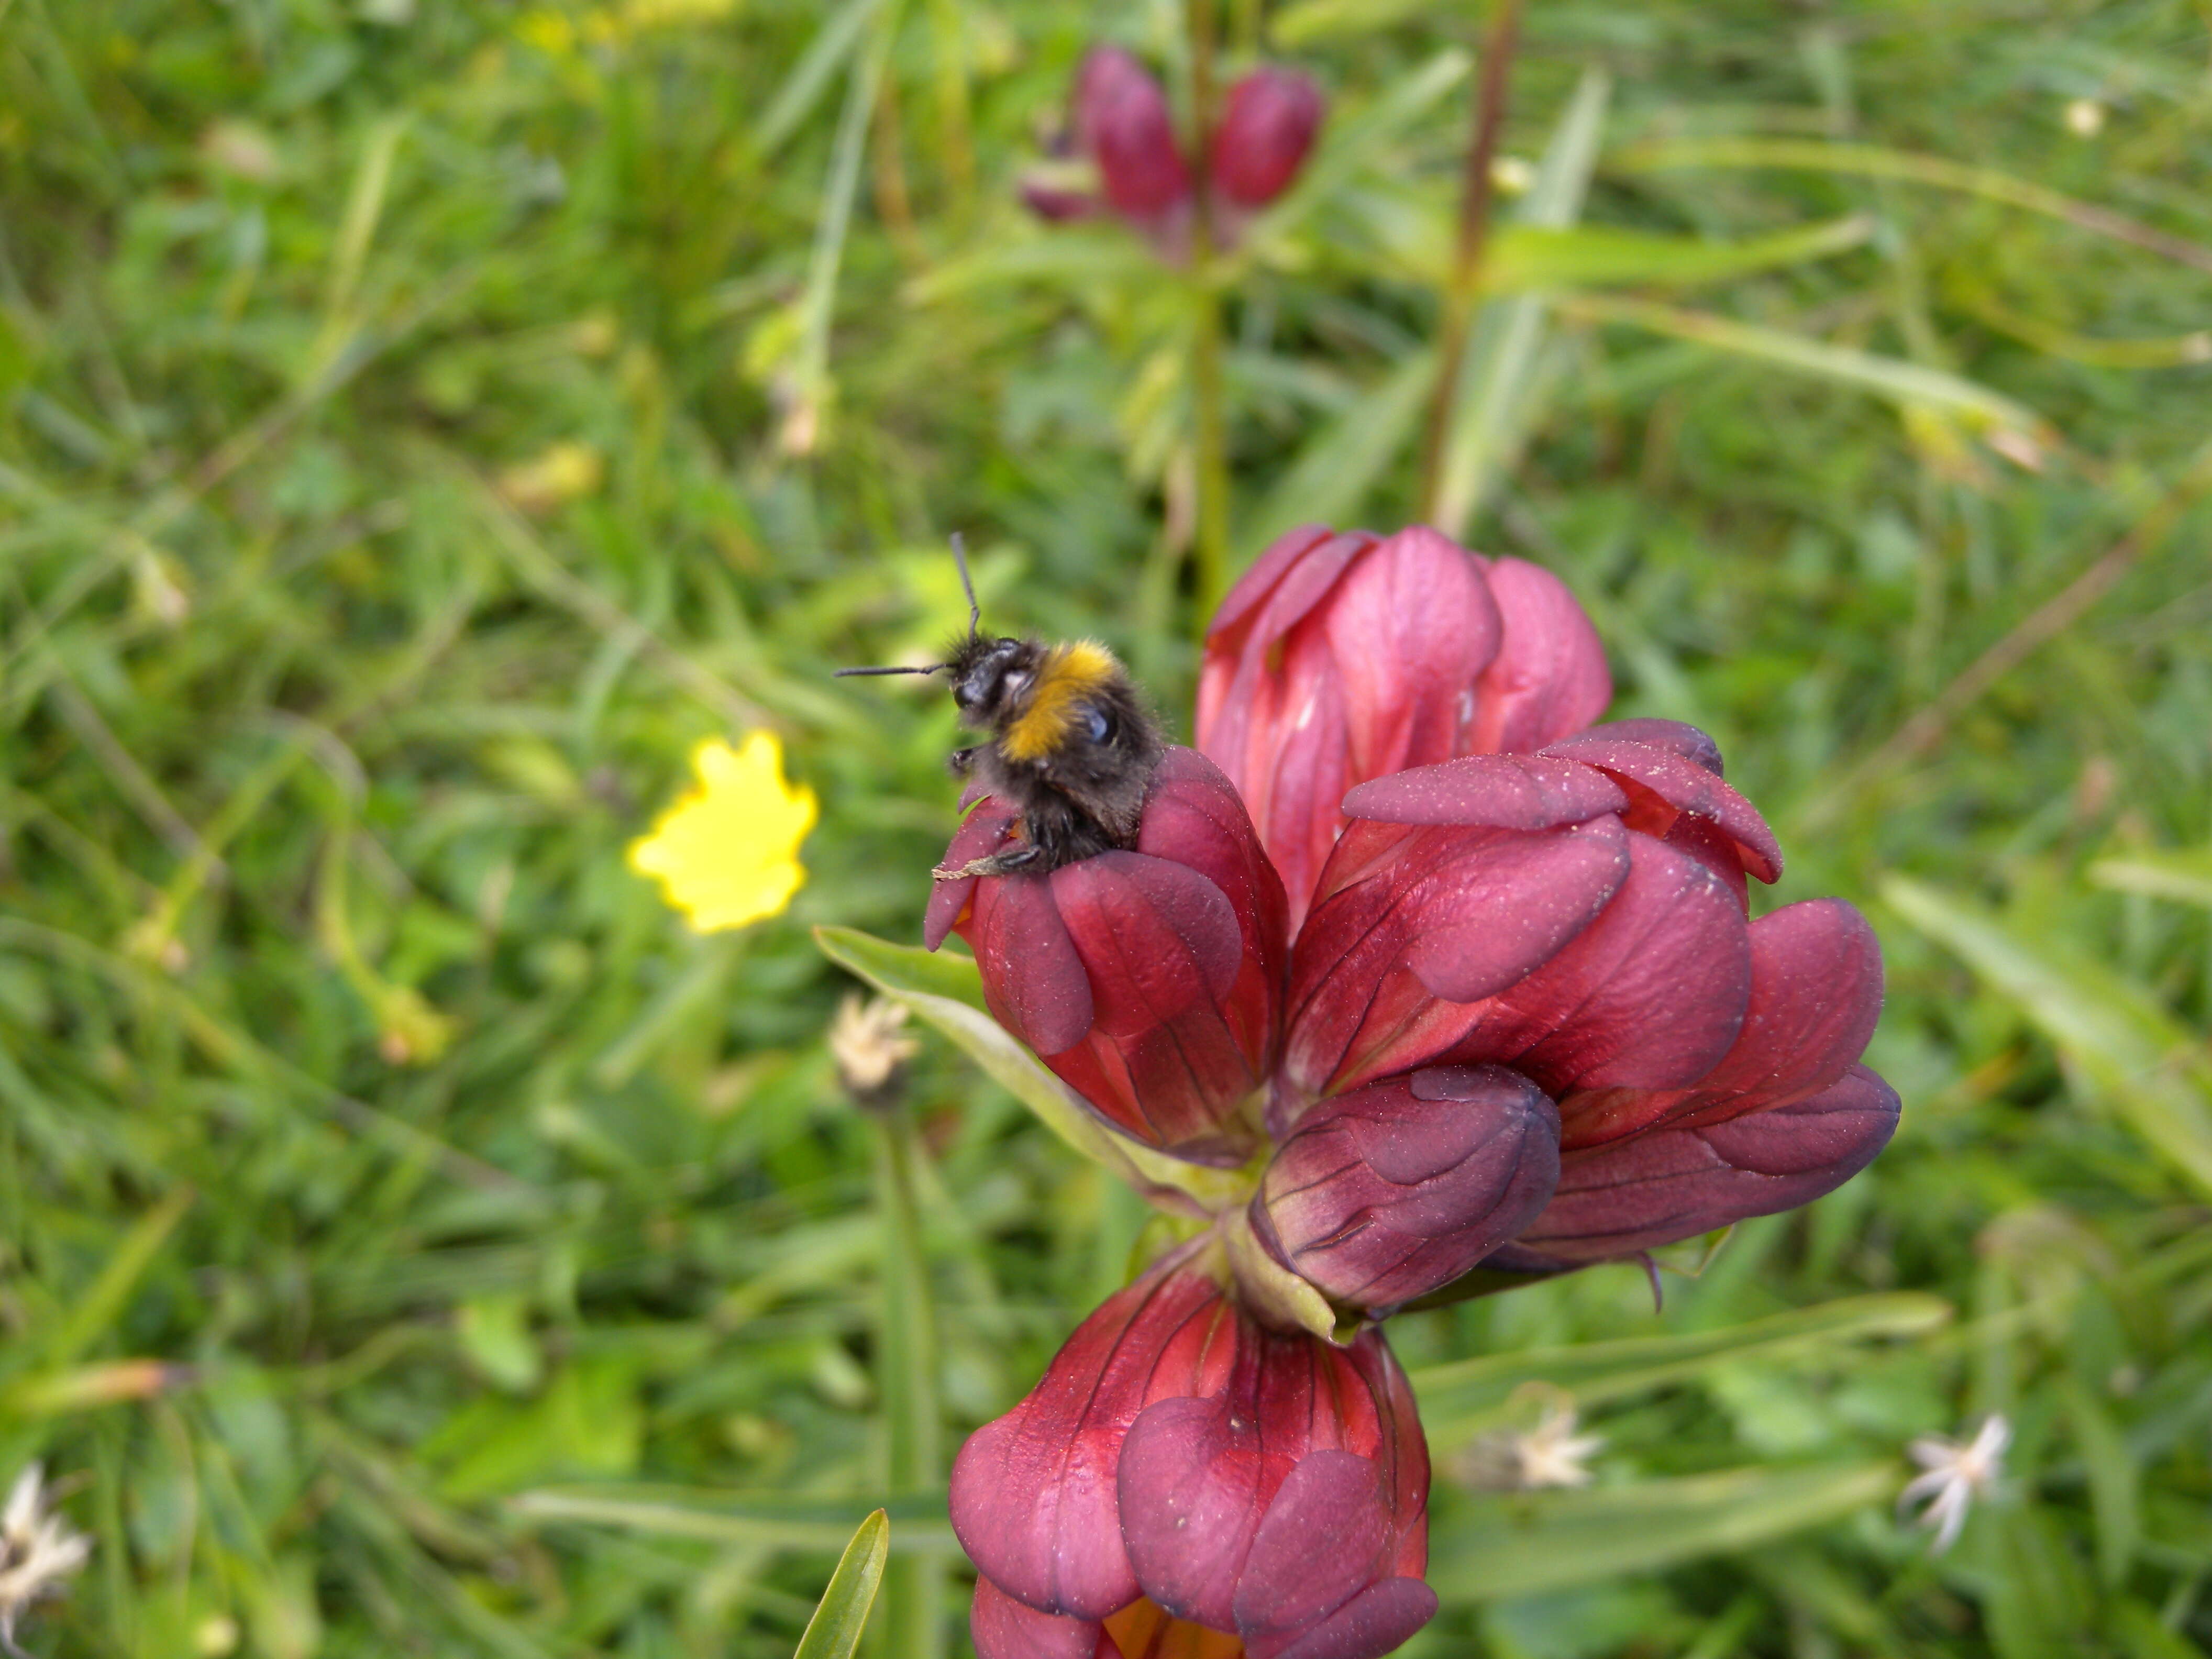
(1470, 983)
(1122, 128)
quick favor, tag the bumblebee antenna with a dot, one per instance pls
(960, 558)
(846, 673)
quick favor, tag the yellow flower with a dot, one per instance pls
(726, 854)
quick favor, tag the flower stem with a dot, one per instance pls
(913, 1585)
(1210, 540)
(1492, 89)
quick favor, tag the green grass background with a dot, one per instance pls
(387, 1180)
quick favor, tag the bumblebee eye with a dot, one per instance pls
(1100, 727)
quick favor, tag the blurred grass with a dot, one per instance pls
(420, 423)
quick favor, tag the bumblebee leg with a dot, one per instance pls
(1012, 862)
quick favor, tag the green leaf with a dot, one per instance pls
(778, 1519)
(1530, 255)
(1306, 22)
(1461, 1400)
(2132, 1052)
(2184, 876)
(1910, 386)
(947, 992)
(1340, 465)
(835, 1630)
(1527, 1544)
(1498, 386)
(1069, 255)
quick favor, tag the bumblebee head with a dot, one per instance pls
(991, 678)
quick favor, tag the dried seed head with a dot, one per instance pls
(38, 1550)
(870, 1051)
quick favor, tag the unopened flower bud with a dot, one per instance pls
(1266, 127)
(1389, 1191)
(1123, 124)
(869, 1049)
(1148, 980)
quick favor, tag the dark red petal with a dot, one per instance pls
(1816, 998)
(1034, 978)
(1673, 1183)
(1155, 937)
(1267, 124)
(1649, 995)
(1491, 917)
(1004, 1629)
(1123, 122)
(1322, 1540)
(978, 837)
(1816, 987)
(1549, 676)
(1378, 1620)
(1193, 817)
(1410, 624)
(1369, 964)
(1506, 792)
(1677, 737)
(1189, 1486)
(1032, 1494)
(1286, 552)
(1387, 1193)
(1661, 783)
(1714, 848)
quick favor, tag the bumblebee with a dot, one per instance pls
(1072, 746)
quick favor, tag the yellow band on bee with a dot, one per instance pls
(1072, 672)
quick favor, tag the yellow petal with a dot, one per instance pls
(726, 854)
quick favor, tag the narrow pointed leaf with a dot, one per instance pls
(1459, 1400)
(1531, 1543)
(835, 1629)
(947, 992)
(2131, 1051)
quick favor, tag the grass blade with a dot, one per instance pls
(1496, 401)
(2129, 1049)
(1528, 1544)
(1460, 1400)
(835, 1630)
(1907, 384)
(947, 992)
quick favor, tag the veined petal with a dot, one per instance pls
(1549, 676)
(1389, 1191)
(1673, 1183)
(1651, 994)
(1662, 784)
(1816, 987)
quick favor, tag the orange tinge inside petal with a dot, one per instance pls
(1143, 1630)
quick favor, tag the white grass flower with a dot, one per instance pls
(868, 1048)
(38, 1550)
(1953, 1475)
(1551, 1454)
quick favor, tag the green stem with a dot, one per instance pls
(913, 1585)
(1459, 297)
(1210, 542)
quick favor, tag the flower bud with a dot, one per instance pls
(1267, 125)
(1182, 1465)
(1495, 910)
(1336, 659)
(1123, 123)
(1147, 980)
(1340, 658)
(1387, 1193)
(1672, 1184)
